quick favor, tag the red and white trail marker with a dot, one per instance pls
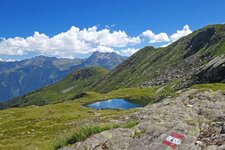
(173, 140)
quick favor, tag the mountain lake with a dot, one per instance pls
(117, 104)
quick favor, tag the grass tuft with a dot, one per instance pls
(85, 132)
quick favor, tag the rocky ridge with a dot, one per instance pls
(176, 64)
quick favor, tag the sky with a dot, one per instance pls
(77, 28)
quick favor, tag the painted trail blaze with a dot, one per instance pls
(173, 140)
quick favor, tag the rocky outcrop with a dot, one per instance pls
(198, 116)
(212, 72)
(199, 41)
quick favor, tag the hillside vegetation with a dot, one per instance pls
(196, 58)
(169, 79)
(183, 61)
(20, 77)
(75, 83)
(53, 125)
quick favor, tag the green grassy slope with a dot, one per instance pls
(54, 125)
(176, 62)
(75, 83)
(45, 127)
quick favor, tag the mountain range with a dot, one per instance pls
(20, 77)
(196, 58)
(183, 85)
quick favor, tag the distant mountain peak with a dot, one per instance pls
(96, 52)
(107, 60)
(43, 58)
(29, 74)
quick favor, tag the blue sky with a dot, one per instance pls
(129, 19)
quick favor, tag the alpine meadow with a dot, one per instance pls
(124, 76)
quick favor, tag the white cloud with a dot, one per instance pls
(77, 41)
(8, 60)
(180, 33)
(127, 52)
(163, 37)
(103, 49)
(66, 44)
(154, 38)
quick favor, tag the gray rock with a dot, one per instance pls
(157, 121)
(212, 147)
(222, 147)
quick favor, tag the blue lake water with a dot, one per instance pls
(114, 104)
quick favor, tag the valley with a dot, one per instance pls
(46, 127)
(182, 85)
(25, 76)
(56, 125)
